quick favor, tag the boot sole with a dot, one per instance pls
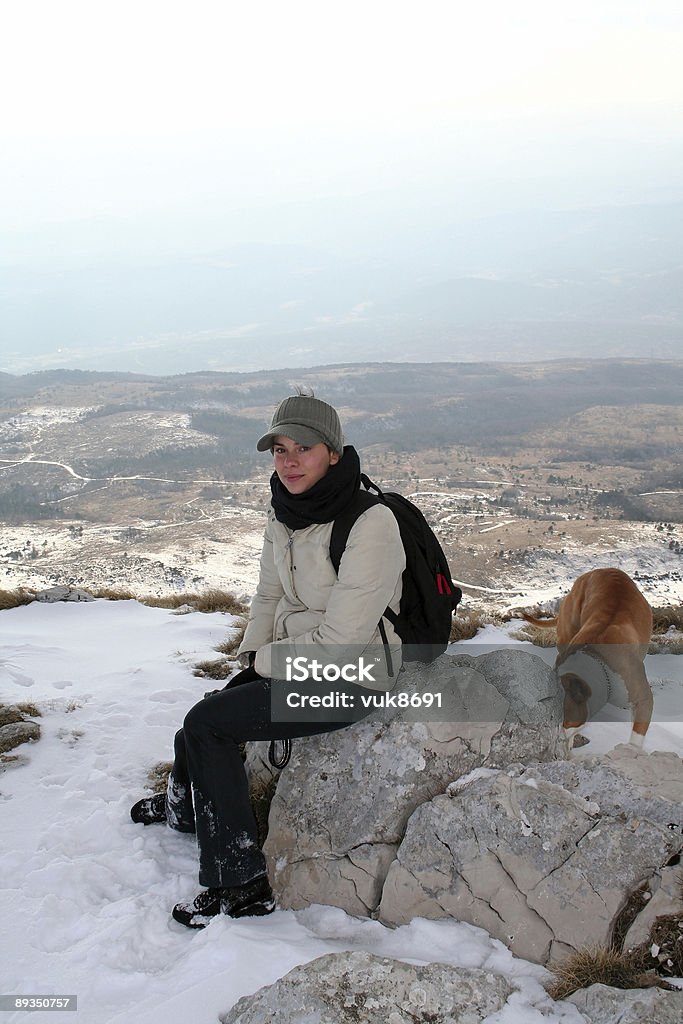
(259, 909)
(198, 921)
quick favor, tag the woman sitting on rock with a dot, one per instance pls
(301, 610)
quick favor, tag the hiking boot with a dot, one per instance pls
(254, 899)
(150, 810)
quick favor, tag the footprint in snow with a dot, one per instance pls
(15, 676)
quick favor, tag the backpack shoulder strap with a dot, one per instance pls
(345, 522)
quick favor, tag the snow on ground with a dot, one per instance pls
(222, 552)
(640, 552)
(87, 894)
(229, 563)
(41, 417)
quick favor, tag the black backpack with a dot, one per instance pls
(429, 595)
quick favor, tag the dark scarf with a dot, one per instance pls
(322, 502)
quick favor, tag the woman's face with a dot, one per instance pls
(299, 466)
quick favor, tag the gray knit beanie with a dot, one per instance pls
(306, 420)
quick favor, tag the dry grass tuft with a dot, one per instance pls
(113, 594)
(168, 600)
(208, 601)
(465, 626)
(663, 619)
(157, 776)
(213, 600)
(221, 668)
(30, 709)
(15, 598)
(231, 645)
(666, 617)
(539, 636)
(602, 966)
(468, 621)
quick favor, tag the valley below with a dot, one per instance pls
(529, 473)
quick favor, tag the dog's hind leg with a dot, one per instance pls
(642, 703)
(626, 661)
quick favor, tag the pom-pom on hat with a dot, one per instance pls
(306, 420)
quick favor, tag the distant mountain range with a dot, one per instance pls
(410, 406)
(577, 283)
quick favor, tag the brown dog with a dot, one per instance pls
(604, 627)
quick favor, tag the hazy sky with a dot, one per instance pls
(121, 108)
(146, 129)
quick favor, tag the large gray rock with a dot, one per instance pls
(10, 713)
(658, 775)
(359, 988)
(601, 1004)
(658, 780)
(545, 858)
(341, 807)
(16, 733)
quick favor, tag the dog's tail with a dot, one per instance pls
(539, 622)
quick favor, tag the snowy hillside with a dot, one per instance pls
(87, 894)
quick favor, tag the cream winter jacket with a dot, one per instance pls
(303, 609)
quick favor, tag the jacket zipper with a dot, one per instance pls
(290, 545)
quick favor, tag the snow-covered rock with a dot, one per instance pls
(54, 594)
(15, 733)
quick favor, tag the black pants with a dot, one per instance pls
(208, 791)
